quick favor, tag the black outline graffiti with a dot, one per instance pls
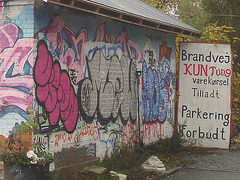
(90, 89)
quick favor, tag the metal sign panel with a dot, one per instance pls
(204, 107)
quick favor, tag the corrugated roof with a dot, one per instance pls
(134, 12)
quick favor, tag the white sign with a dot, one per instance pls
(204, 108)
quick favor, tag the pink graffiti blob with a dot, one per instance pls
(9, 35)
(54, 90)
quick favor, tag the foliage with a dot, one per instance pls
(27, 127)
(168, 146)
(18, 148)
(191, 12)
(128, 159)
(226, 14)
(125, 158)
(168, 6)
(45, 158)
(20, 158)
(217, 34)
(223, 11)
(180, 38)
(78, 172)
(15, 158)
(236, 98)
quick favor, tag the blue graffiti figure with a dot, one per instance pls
(156, 92)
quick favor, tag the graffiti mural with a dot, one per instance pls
(72, 140)
(16, 62)
(86, 85)
(111, 74)
(40, 143)
(59, 52)
(119, 87)
(54, 90)
(90, 83)
(130, 48)
(158, 85)
(57, 71)
(109, 91)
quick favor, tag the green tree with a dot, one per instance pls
(191, 12)
(227, 13)
(168, 6)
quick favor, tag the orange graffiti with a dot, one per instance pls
(21, 142)
(165, 51)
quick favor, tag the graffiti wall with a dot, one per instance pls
(158, 87)
(88, 81)
(16, 64)
(89, 94)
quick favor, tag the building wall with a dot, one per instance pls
(16, 63)
(77, 72)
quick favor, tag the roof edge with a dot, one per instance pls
(123, 16)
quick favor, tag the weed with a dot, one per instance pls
(128, 159)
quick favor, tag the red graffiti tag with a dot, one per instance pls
(153, 130)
